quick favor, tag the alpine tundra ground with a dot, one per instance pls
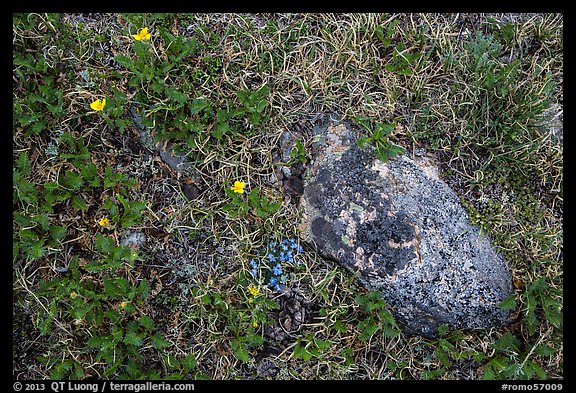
(127, 268)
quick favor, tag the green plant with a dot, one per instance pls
(385, 34)
(384, 149)
(253, 104)
(298, 154)
(510, 361)
(541, 296)
(404, 61)
(125, 214)
(378, 319)
(309, 347)
(256, 203)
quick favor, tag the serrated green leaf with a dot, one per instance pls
(544, 350)
(240, 350)
(367, 327)
(57, 232)
(134, 338)
(143, 289)
(104, 244)
(116, 288)
(159, 342)
(78, 202)
(90, 175)
(23, 164)
(95, 341)
(189, 361)
(220, 129)
(36, 250)
(509, 303)
(301, 352)
(146, 322)
(323, 344)
(363, 140)
(124, 61)
(488, 374)
(535, 368)
(508, 343)
(390, 332)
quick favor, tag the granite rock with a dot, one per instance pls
(406, 234)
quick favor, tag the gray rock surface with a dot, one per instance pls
(405, 232)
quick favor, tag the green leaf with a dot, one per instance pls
(57, 232)
(535, 367)
(189, 362)
(143, 289)
(489, 374)
(96, 341)
(124, 61)
(323, 344)
(159, 342)
(146, 322)
(90, 175)
(390, 332)
(381, 130)
(23, 164)
(300, 352)
(362, 141)
(509, 303)
(78, 202)
(240, 350)
(133, 338)
(36, 250)
(116, 288)
(104, 244)
(368, 327)
(220, 129)
(254, 119)
(507, 343)
(544, 350)
(198, 105)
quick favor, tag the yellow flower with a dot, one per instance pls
(123, 305)
(255, 324)
(238, 187)
(97, 105)
(143, 35)
(104, 222)
(253, 290)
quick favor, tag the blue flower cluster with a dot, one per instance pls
(278, 255)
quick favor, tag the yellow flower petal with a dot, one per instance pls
(253, 290)
(238, 187)
(104, 221)
(142, 35)
(97, 105)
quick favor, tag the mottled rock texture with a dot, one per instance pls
(405, 232)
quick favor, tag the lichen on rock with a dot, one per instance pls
(406, 234)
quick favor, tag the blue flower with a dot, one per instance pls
(254, 266)
(277, 270)
(271, 258)
(274, 283)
